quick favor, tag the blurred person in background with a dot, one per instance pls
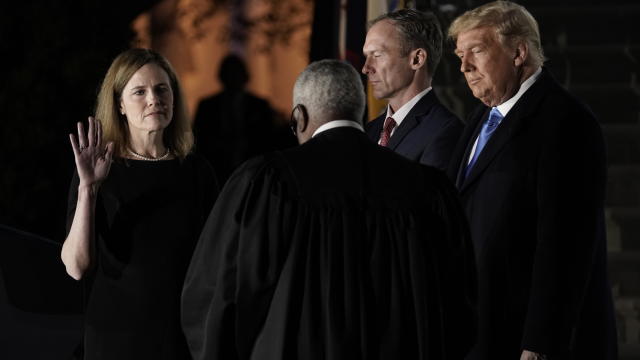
(234, 125)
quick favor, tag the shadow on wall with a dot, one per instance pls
(235, 124)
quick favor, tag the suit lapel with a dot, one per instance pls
(374, 128)
(412, 119)
(511, 124)
(408, 123)
(500, 137)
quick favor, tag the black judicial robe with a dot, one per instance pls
(336, 249)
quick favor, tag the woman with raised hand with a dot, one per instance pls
(136, 207)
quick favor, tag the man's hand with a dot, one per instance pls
(530, 355)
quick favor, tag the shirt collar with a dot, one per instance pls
(401, 113)
(337, 123)
(506, 106)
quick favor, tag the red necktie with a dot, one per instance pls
(389, 124)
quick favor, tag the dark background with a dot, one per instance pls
(55, 54)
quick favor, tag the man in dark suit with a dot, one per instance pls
(316, 253)
(402, 51)
(530, 168)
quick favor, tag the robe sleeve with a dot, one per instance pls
(209, 294)
(454, 256)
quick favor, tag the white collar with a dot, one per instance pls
(506, 106)
(401, 113)
(337, 123)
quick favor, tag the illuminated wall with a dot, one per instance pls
(272, 36)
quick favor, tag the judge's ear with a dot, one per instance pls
(302, 118)
(300, 122)
(418, 58)
(521, 53)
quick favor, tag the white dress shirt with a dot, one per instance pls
(337, 123)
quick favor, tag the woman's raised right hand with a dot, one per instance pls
(93, 159)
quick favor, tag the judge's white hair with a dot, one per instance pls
(330, 88)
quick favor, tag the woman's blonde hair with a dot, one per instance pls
(177, 136)
(512, 23)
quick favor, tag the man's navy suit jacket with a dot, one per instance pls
(428, 134)
(535, 204)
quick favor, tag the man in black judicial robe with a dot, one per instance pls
(335, 249)
(531, 173)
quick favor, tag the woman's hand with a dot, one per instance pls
(93, 160)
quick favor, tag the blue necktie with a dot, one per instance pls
(489, 126)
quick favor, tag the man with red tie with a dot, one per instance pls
(402, 50)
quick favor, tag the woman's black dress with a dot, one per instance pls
(149, 215)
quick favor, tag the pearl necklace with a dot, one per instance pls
(142, 157)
